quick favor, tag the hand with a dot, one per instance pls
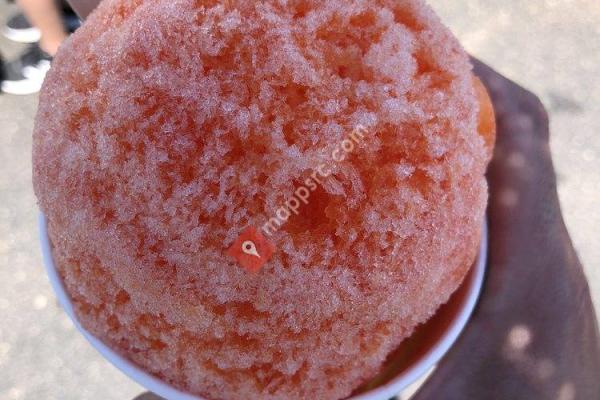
(534, 333)
(148, 396)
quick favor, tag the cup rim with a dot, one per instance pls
(385, 391)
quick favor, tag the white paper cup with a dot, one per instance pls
(414, 359)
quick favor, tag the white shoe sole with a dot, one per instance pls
(31, 35)
(22, 88)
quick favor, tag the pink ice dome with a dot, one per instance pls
(167, 127)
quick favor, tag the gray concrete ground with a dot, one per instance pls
(550, 46)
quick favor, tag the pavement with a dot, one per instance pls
(551, 47)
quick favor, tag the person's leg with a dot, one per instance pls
(46, 16)
(26, 74)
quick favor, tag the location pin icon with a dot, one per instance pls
(248, 247)
(245, 249)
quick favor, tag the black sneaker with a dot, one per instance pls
(18, 29)
(71, 21)
(2, 69)
(26, 75)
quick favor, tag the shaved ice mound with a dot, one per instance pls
(167, 127)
